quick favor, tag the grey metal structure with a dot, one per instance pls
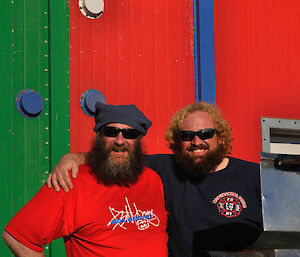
(280, 186)
(283, 132)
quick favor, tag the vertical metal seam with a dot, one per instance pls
(45, 81)
(45, 70)
(14, 92)
(196, 50)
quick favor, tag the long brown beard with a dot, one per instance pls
(204, 164)
(110, 172)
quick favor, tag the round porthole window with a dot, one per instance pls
(29, 103)
(89, 99)
(91, 8)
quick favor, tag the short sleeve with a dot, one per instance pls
(43, 219)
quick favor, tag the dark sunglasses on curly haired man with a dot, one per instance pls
(203, 134)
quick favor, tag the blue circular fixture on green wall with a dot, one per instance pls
(29, 103)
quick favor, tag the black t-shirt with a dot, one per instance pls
(221, 211)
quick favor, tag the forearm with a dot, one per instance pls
(17, 248)
(81, 158)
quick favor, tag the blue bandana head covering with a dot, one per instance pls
(125, 114)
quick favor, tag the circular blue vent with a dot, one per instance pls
(89, 99)
(29, 103)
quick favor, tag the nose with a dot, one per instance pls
(119, 140)
(197, 141)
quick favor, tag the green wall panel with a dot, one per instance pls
(6, 109)
(60, 108)
(34, 55)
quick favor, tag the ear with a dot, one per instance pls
(220, 140)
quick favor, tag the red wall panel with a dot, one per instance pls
(257, 66)
(138, 51)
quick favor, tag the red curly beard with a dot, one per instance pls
(202, 165)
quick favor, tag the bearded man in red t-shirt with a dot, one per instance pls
(117, 207)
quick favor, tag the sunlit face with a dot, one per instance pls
(116, 157)
(119, 145)
(197, 148)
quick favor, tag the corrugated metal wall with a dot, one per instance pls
(138, 51)
(257, 66)
(24, 148)
(34, 55)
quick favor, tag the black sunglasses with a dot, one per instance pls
(128, 133)
(203, 134)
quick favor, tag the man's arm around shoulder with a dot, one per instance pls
(17, 248)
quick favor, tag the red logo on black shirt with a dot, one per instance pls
(230, 204)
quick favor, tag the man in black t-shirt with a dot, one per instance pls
(213, 200)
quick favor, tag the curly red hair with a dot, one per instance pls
(222, 127)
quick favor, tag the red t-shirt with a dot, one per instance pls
(96, 220)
